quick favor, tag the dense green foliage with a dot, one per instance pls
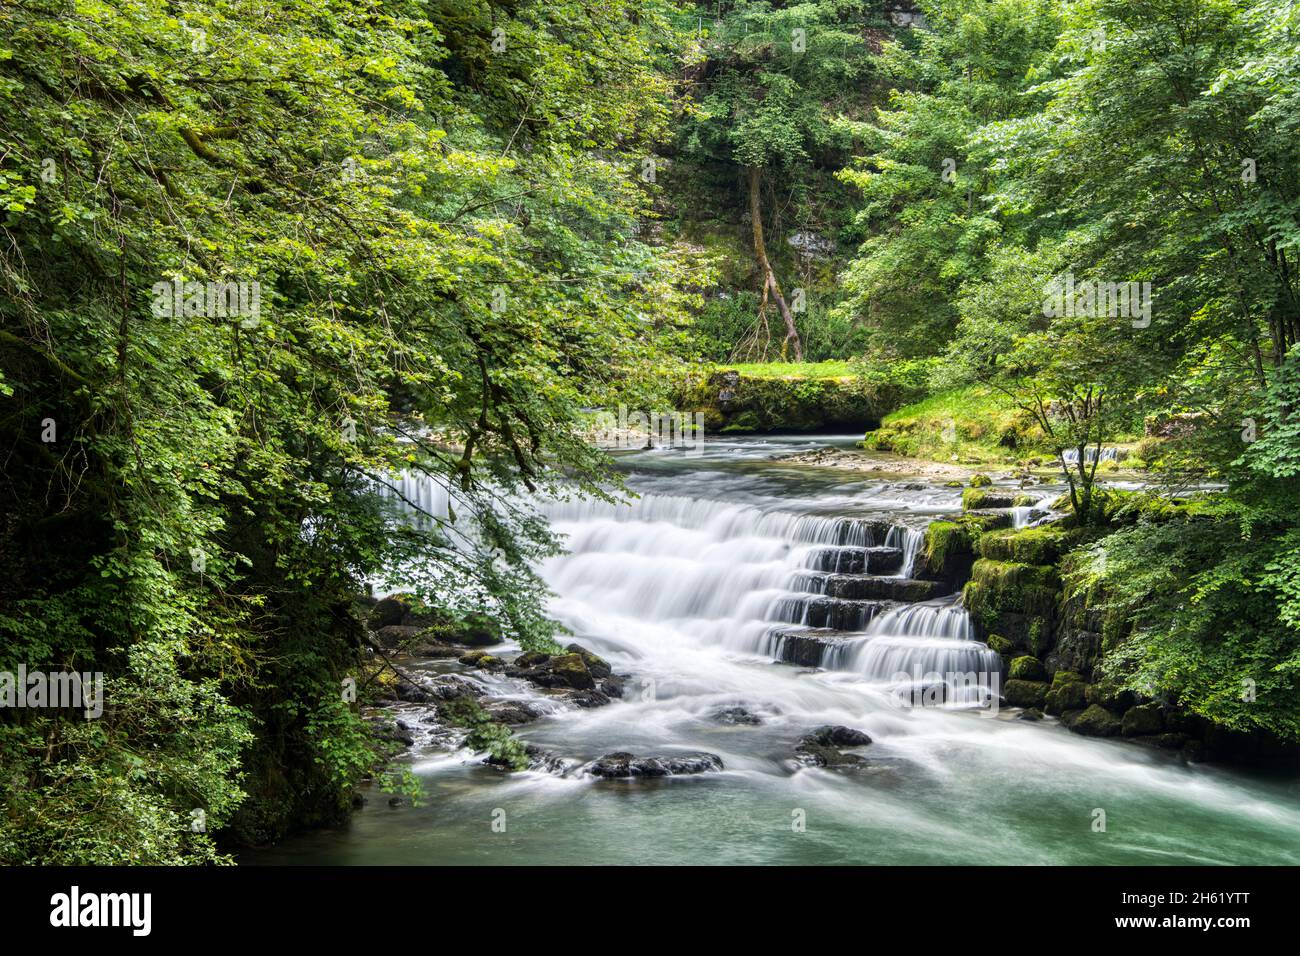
(1034, 146)
(440, 204)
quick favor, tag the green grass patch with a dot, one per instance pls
(975, 425)
(833, 368)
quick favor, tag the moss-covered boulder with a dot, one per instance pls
(1012, 586)
(980, 481)
(1111, 696)
(1025, 693)
(1142, 720)
(999, 645)
(947, 552)
(1096, 721)
(733, 401)
(1028, 668)
(1041, 546)
(972, 499)
(1068, 692)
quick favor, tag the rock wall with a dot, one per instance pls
(736, 403)
(1052, 643)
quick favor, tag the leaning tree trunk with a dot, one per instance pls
(769, 277)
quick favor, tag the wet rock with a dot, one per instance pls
(482, 660)
(1096, 721)
(513, 711)
(821, 747)
(397, 635)
(586, 699)
(434, 649)
(577, 668)
(1028, 668)
(545, 761)
(1031, 713)
(813, 756)
(1076, 650)
(735, 715)
(833, 735)
(612, 686)
(390, 731)
(453, 687)
(596, 666)
(623, 765)
(1025, 693)
(1068, 692)
(1143, 720)
(411, 693)
(386, 613)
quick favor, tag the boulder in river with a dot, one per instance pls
(1096, 721)
(577, 669)
(820, 748)
(623, 765)
(736, 715)
(512, 711)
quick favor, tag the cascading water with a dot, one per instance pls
(735, 585)
(754, 580)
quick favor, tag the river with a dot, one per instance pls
(682, 591)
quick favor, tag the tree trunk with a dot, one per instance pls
(769, 277)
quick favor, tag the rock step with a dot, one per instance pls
(819, 611)
(850, 560)
(812, 647)
(857, 587)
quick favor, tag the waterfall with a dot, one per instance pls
(755, 580)
(1070, 456)
(428, 499)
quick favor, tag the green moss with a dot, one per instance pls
(980, 480)
(1025, 693)
(1012, 586)
(943, 538)
(972, 499)
(1029, 669)
(1043, 545)
(1068, 693)
(744, 399)
(999, 644)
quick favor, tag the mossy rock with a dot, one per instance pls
(572, 669)
(1028, 669)
(980, 480)
(1024, 501)
(1142, 720)
(1096, 721)
(999, 644)
(1042, 546)
(733, 401)
(1012, 586)
(943, 539)
(973, 499)
(1111, 696)
(1025, 693)
(1066, 695)
(982, 521)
